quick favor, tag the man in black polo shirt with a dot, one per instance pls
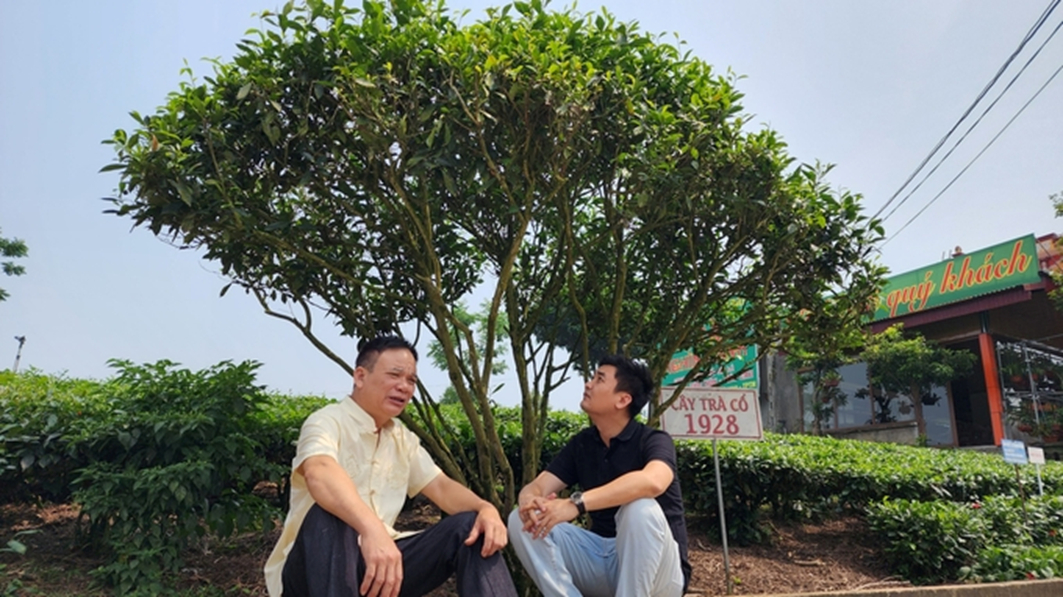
(626, 472)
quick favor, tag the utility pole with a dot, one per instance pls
(18, 355)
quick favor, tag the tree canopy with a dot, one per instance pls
(381, 163)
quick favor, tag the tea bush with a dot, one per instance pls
(175, 456)
(797, 476)
(560, 426)
(928, 542)
(37, 415)
(276, 423)
(1017, 562)
(999, 538)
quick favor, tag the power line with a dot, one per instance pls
(1029, 35)
(991, 141)
(975, 123)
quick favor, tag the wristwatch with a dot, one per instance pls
(577, 499)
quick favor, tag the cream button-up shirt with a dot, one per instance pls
(385, 470)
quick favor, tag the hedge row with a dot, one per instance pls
(159, 443)
(788, 476)
(51, 426)
(995, 539)
(157, 457)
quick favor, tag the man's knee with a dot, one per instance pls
(321, 526)
(640, 513)
(460, 523)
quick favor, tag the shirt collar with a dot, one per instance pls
(625, 434)
(362, 420)
(629, 430)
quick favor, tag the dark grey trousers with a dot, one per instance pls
(327, 562)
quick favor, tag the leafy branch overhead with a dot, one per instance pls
(1056, 294)
(11, 248)
(382, 163)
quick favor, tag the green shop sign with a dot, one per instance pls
(990, 270)
(739, 359)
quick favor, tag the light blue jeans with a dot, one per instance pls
(641, 561)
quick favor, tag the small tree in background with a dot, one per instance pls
(900, 365)
(478, 322)
(816, 352)
(11, 248)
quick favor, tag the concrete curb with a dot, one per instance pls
(1024, 588)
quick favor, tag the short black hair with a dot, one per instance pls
(372, 348)
(632, 377)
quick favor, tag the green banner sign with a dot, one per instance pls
(990, 270)
(740, 358)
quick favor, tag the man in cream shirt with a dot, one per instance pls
(354, 467)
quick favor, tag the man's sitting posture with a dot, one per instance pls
(354, 467)
(637, 545)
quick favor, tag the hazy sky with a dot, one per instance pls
(870, 86)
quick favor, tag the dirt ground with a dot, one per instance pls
(835, 555)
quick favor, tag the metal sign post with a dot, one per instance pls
(1014, 452)
(723, 520)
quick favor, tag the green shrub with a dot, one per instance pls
(929, 542)
(770, 478)
(158, 456)
(276, 425)
(942, 541)
(175, 457)
(37, 413)
(1034, 521)
(1016, 562)
(795, 476)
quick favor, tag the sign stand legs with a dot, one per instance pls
(723, 520)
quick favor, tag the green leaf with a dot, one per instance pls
(16, 547)
(184, 192)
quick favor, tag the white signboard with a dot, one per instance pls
(1037, 455)
(712, 413)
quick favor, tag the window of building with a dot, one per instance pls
(842, 402)
(891, 407)
(855, 410)
(938, 417)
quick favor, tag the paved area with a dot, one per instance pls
(1030, 588)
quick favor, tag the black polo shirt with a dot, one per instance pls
(587, 462)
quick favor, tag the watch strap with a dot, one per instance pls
(577, 499)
